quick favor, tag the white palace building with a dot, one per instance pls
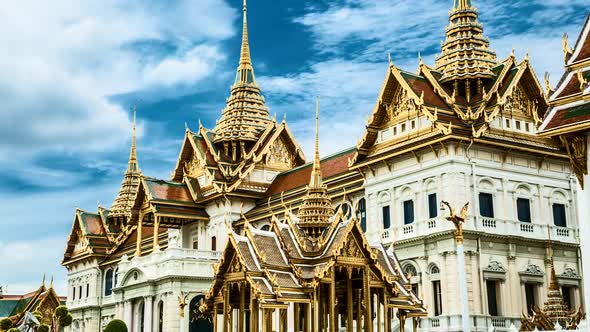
(462, 130)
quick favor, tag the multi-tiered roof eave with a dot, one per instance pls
(460, 108)
(568, 114)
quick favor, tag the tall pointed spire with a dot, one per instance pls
(316, 209)
(466, 54)
(316, 173)
(245, 55)
(245, 115)
(122, 204)
(133, 165)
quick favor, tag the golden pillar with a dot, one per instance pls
(139, 236)
(156, 244)
(253, 312)
(226, 309)
(379, 297)
(349, 309)
(387, 311)
(367, 298)
(333, 302)
(297, 316)
(242, 307)
(402, 320)
(214, 316)
(283, 322)
(415, 323)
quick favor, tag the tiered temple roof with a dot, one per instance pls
(568, 114)
(467, 97)
(465, 52)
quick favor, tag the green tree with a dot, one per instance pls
(43, 328)
(5, 324)
(116, 325)
(61, 318)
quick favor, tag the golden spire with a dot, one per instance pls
(316, 208)
(316, 173)
(245, 115)
(122, 203)
(133, 165)
(245, 55)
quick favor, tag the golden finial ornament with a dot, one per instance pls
(182, 302)
(457, 220)
(583, 81)
(548, 86)
(567, 51)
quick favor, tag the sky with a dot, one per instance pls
(72, 70)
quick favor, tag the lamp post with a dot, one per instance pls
(458, 221)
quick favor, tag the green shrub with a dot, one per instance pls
(61, 311)
(66, 320)
(14, 329)
(116, 325)
(5, 324)
(43, 328)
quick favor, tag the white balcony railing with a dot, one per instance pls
(482, 224)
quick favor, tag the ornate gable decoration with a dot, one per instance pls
(495, 266)
(569, 273)
(533, 270)
(194, 167)
(401, 104)
(278, 156)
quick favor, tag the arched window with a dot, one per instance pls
(434, 269)
(108, 283)
(199, 321)
(213, 243)
(410, 270)
(80, 291)
(361, 213)
(160, 316)
(116, 274)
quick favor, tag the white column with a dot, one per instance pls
(147, 314)
(128, 314)
(463, 288)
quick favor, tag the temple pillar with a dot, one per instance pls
(296, 315)
(214, 317)
(349, 310)
(156, 243)
(242, 309)
(367, 298)
(139, 236)
(283, 321)
(226, 309)
(147, 314)
(379, 312)
(128, 313)
(387, 312)
(332, 304)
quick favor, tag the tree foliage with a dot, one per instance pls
(43, 328)
(116, 325)
(5, 324)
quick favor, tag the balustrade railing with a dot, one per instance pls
(482, 224)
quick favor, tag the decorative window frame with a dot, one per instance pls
(532, 273)
(554, 199)
(433, 276)
(416, 278)
(494, 271)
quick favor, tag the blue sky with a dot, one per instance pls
(71, 70)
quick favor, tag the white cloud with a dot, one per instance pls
(61, 61)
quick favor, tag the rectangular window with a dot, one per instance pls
(517, 125)
(527, 127)
(413, 124)
(492, 288)
(507, 123)
(523, 207)
(80, 291)
(486, 205)
(403, 127)
(559, 215)
(432, 206)
(386, 217)
(394, 131)
(74, 293)
(195, 243)
(530, 291)
(87, 290)
(408, 212)
(436, 290)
